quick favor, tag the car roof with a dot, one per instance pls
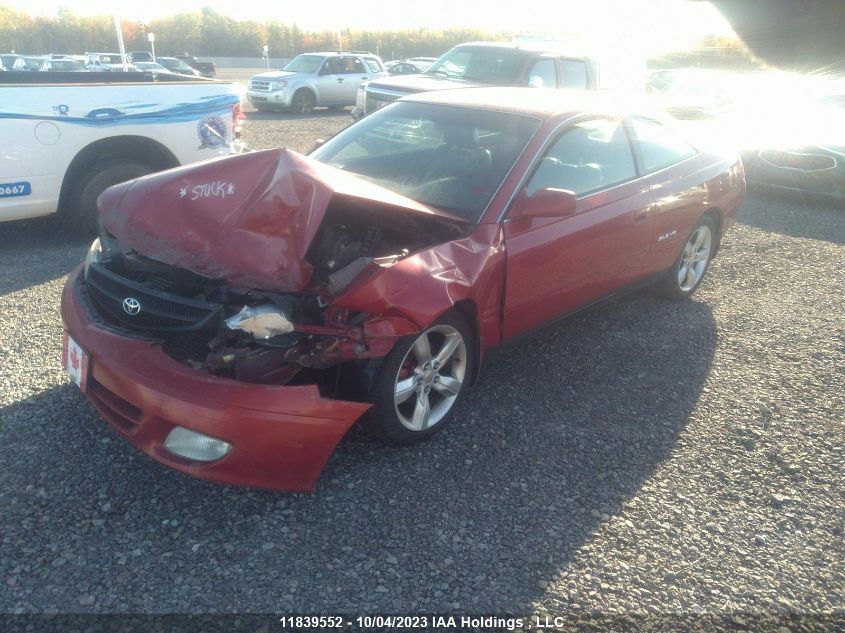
(545, 104)
(532, 48)
(327, 53)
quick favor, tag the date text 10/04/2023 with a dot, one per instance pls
(411, 622)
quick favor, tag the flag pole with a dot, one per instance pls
(120, 42)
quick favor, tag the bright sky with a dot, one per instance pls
(657, 24)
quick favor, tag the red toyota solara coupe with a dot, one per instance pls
(236, 317)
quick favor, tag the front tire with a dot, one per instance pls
(421, 381)
(689, 269)
(303, 102)
(94, 181)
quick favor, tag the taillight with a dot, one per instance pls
(237, 116)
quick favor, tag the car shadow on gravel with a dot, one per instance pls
(796, 214)
(35, 251)
(559, 432)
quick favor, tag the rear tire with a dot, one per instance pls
(94, 181)
(421, 381)
(692, 264)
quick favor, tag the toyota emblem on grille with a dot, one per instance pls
(131, 306)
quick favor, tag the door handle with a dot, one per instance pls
(340, 80)
(364, 77)
(643, 214)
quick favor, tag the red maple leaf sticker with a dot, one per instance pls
(74, 359)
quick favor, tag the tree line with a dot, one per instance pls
(208, 33)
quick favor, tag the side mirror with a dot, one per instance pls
(545, 203)
(318, 142)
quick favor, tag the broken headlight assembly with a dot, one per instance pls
(262, 321)
(94, 255)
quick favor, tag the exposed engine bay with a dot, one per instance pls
(255, 335)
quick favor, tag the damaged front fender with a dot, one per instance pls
(419, 288)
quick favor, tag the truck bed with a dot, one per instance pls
(63, 77)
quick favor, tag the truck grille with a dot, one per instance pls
(376, 100)
(156, 309)
(258, 84)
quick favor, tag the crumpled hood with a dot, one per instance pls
(248, 219)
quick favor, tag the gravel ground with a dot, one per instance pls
(647, 457)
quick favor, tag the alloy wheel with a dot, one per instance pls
(430, 378)
(694, 258)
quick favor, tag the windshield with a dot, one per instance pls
(304, 64)
(485, 64)
(452, 158)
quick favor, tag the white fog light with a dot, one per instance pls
(195, 446)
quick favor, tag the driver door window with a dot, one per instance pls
(589, 156)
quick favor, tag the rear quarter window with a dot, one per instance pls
(658, 146)
(574, 73)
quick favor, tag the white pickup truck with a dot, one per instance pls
(66, 137)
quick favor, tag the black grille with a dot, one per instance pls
(376, 100)
(188, 346)
(159, 310)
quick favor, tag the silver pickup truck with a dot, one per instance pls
(485, 64)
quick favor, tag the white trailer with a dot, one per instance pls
(66, 137)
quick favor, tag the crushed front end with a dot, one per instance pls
(238, 366)
(175, 387)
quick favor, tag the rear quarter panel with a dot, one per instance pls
(683, 193)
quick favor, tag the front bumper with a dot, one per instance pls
(281, 436)
(279, 99)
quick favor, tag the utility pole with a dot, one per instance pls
(152, 39)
